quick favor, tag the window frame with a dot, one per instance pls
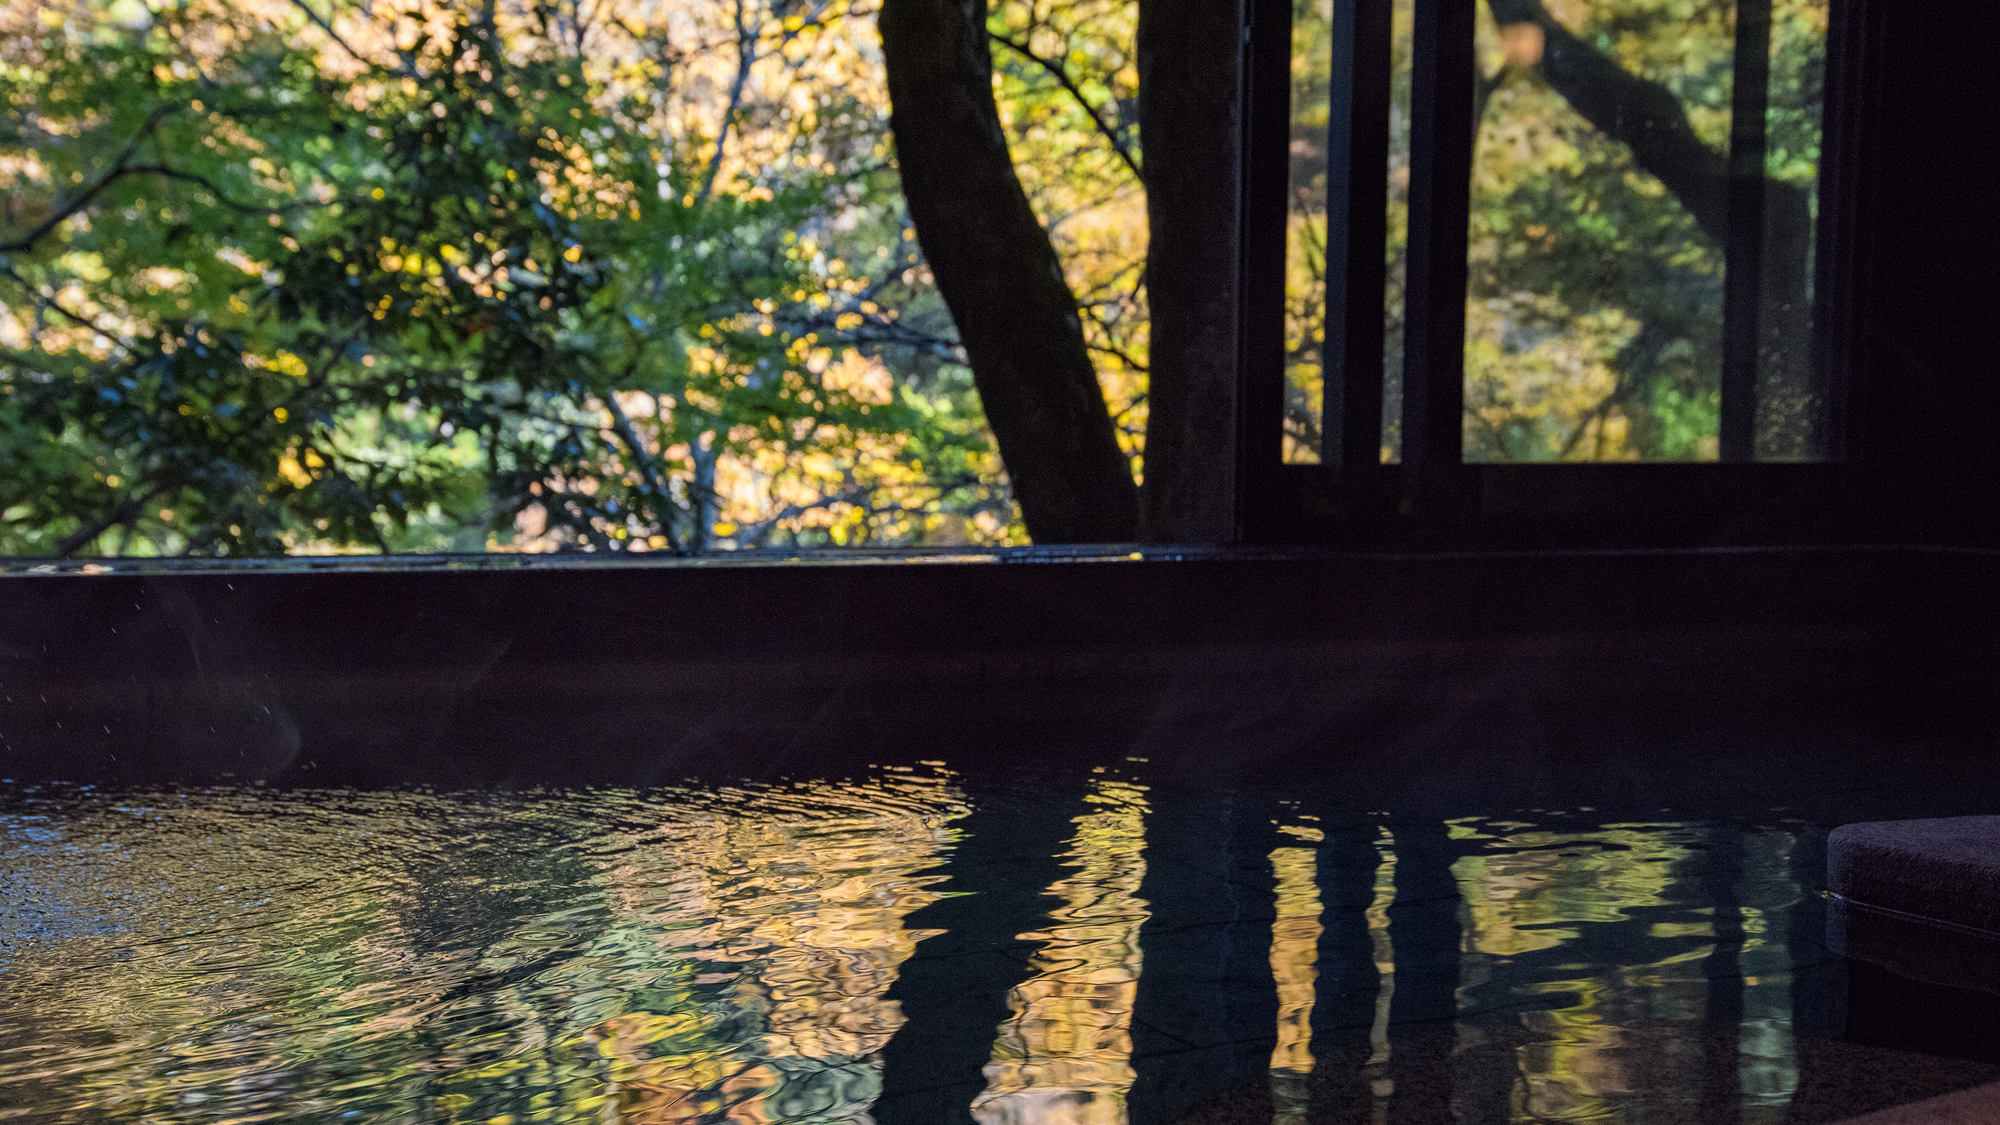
(1432, 497)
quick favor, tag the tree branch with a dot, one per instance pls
(1645, 115)
(124, 512)
(746, 56)
(119, 167)
(43, 302)
(1595, 414)
(623, 426)
(1057, 71)
(214, 189)
(357, 56)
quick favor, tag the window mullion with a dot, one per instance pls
(1356, 232)
(1264, 171)
(1441, 136)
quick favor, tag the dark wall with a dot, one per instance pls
(652, 674)
(1927, 270)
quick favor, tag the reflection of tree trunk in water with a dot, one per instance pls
(1000, 277)
(1722, 1008)
(955, 987)
(1649, 119)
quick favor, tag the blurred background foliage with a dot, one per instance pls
(1068, 83)
(300, 276)
(1594, 301)
(418, 275)
(1594, 310)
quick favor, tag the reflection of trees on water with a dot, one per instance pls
(727, 957)
(1295, 934)
(703, 957)
(1590, 957)
(1770, 1072)
(789, 922)
(1064, 1058)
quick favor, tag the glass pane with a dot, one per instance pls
(1600, 208)
(1305, 277)
(1790, 400)
(1402, 21)
(1305, 231)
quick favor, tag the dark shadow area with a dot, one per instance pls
(1205, 1018)
(1537, 673)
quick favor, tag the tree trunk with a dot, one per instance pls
(1189, 115)
(999, 276)
(1649, 119)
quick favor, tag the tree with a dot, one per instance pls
(720, 358)
(1078, 80)
(288, 282)
(529, 272)
(996, 269)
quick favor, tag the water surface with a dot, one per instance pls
(903, 946)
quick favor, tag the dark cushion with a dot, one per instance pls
(1945, 870)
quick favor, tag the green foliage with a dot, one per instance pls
(1066, 80)
(1594, 302)
(265, 296)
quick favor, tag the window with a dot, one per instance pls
(1523, 232)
